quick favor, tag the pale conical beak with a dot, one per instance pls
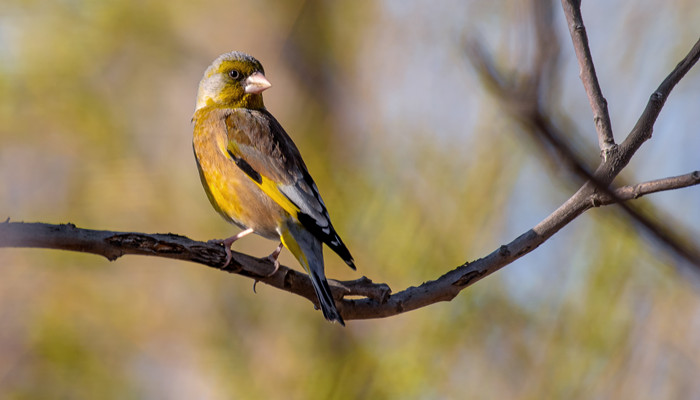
(256, 83)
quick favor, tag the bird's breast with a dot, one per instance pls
(231, 191)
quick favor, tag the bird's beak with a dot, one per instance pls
(256, 83)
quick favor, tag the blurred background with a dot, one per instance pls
(421, 170)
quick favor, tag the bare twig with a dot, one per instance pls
(601, 117)
(522, 104)
(645, 124)
(630, 192)
(601, 188)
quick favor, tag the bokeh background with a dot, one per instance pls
(420, 168)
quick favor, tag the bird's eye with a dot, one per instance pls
(234, 74)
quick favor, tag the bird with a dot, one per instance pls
(254, 175)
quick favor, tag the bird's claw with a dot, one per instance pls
(273, 258)
(227, 248)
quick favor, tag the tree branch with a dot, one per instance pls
(377, 299)
(112, 245)
(522, 104)
(631, 192)
(601, 117)
(645, 124)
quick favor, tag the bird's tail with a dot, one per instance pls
(309, 252)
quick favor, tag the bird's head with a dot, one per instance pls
(234, 80)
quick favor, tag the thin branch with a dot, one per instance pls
(523, 106)
(645, 124)
(631, 192)
(600, 188)
(601, 117)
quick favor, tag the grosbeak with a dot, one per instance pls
(254, 175)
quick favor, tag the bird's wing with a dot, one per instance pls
(261, 148)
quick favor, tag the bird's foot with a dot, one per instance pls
(273, 258)
(228, 242)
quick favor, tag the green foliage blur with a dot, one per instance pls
(421, 171)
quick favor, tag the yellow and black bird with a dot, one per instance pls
(253, 173)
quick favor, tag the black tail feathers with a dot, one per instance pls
(325, 299)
